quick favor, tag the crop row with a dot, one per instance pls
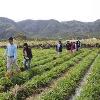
(67, 85)
(45, 59)
(91, 89)
(26, 75)
(42, 80)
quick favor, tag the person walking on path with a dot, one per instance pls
(27, 53)
(11, 53)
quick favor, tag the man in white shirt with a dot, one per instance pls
(11, 53)
(59, 47)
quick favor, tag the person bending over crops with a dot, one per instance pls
(11, 53)
(27, 53)
(59, 47)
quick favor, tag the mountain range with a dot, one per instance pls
(48, 28)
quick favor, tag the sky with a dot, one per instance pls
(61, 10)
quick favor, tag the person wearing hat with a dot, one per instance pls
(11, 53)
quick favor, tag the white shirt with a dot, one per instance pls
(58, 45)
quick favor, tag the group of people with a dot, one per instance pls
(73, 46)
(11, 55)
(70, 46)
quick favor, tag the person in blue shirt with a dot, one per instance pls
(11, 53)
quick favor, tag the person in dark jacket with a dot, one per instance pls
(68, 46)
(78, 45)
(59, 47)
(27, 53)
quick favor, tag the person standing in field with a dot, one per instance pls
(27, 53)
(68, 46)
(59, 47)
(73, 47)
(78, 45)
(11, 53)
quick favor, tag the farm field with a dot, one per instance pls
(66, 76)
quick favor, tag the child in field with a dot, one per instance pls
(27, 53)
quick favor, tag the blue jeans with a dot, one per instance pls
(27, 63)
